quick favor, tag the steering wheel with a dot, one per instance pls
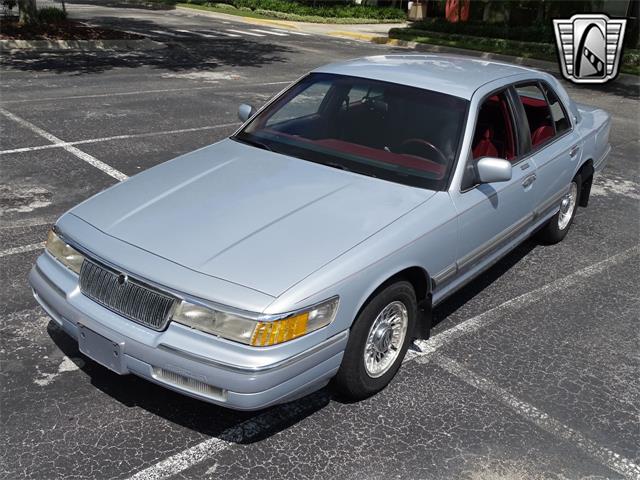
(429, 147)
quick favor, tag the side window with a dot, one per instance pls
(494, 134)
(304, 104)
(558, 114)
(541, 124)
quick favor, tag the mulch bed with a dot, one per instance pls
(10, 29)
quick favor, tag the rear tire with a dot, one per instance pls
(558, 226)
(378, 342)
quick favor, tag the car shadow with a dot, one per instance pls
(449, 306)
(237, 426)
(193, 414)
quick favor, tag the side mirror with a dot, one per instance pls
(492, 169)
(245, 112)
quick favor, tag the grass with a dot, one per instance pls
(540, 51)
(231, 11)
(277, 15)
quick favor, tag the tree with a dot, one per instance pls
(28, 11)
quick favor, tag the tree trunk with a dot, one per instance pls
(28, 11)
(486, 12)
(540, 11)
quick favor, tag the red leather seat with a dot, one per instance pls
(541, 134)
(485, 147)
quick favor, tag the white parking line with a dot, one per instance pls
(140, 92)
(22, 249)
(269, 32)
(117, 137)
(541, 419)
(190, 32)
(27, 222)
(427, 347)
(69, 148)
(205, 34)
(196, 33)
(240, 433)
(242, 32)
(198, 453)
(162, 32)
(292, 32)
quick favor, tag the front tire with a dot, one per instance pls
(378, 342)
(558, 226)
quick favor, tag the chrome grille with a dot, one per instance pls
(124, 296)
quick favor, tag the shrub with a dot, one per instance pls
(51, 15)
(9, 5)
(223, 5)
(541, 32)
(322, 9)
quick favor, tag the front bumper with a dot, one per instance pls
(180, 358)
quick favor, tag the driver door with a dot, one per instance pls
(493, 216)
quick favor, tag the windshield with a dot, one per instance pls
(389, 131)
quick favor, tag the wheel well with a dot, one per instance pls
(422, 285)
(416, 276)
(586, 173)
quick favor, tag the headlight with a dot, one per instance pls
(65, 254)
(269, 330)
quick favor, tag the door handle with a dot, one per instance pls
(574, 151)
(528, 181)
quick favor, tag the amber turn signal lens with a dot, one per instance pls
(272, 333)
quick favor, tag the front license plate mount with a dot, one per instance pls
(102, 350)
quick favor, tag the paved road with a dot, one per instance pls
(532, 371)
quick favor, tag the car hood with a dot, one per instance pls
(248, 216)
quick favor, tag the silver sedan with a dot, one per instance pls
(313, 243)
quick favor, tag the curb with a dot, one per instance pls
(239, 18)
(80, 45)
(425, 47)
(551, 67)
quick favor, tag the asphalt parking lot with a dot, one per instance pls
(532, 370)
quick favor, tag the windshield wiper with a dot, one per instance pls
(253, 143)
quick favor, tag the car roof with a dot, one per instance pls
(451, 74)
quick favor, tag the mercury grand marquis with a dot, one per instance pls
(312, 244)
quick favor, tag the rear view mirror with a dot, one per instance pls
(492, 169)
(245, 112)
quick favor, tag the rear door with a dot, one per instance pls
(550, 143)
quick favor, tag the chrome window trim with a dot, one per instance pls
(532, 152)
(514, 126)
(556, 136)
(527, 155)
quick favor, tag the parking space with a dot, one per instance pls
(531, 372)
